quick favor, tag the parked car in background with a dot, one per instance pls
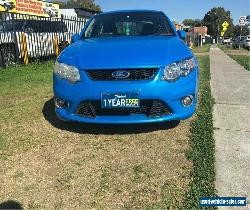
(40, 36)
(126, 67)
(7, 5)
(238, 42)
(226, 41)
(246, 42)
(50, 10)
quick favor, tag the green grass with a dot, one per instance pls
(22, 94)
(202, 141)
(241, 55)
(225, 48)
(243, 60)
(205, 48)
(230, 49)
(98, 167)
(71, 166)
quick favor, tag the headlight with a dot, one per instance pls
(176, 70)
(64, 71)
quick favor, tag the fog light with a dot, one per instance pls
(187, 101)
(60, 103)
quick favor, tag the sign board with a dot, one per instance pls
(225, 24)
(242, 20)
(30, 7)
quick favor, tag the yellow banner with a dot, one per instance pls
(30, 7)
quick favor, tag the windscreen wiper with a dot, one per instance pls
(108, 35)
(162, 34)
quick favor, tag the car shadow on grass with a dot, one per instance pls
(10, 204)
(106, 129)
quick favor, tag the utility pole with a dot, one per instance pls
(240, 36)
(218, 29)
(242, 22)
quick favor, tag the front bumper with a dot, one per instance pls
(171, 93)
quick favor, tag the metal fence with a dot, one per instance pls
(25, 38)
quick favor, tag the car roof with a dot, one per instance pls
(130, 11)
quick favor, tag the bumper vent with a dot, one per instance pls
(150, 108)
(134, 74)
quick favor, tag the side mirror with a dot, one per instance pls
(182, 34)
(75, 38)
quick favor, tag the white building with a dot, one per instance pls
(78, 12)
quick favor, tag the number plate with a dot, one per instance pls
(120, 100)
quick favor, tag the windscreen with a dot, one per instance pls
(129, 24)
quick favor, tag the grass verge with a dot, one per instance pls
(224, 48)
(51, 165)
(241, 56)
(205, 48)
(231, 50)
(48, 164)
(203, 146)
(243, 60)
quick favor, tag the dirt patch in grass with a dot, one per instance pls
(48, 164)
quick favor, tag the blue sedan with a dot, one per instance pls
(126, 67)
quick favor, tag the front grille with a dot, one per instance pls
(135, 74)
(86, 109)
(150, 108)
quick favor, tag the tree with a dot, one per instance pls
(214, 20)
(192, 22)
(87, 4)
(60, 3)
(237, 31)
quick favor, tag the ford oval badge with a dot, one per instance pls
(120, 74)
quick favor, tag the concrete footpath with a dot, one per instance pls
(230, 85)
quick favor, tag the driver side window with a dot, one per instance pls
(100, 27)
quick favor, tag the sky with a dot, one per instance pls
(180, 9)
